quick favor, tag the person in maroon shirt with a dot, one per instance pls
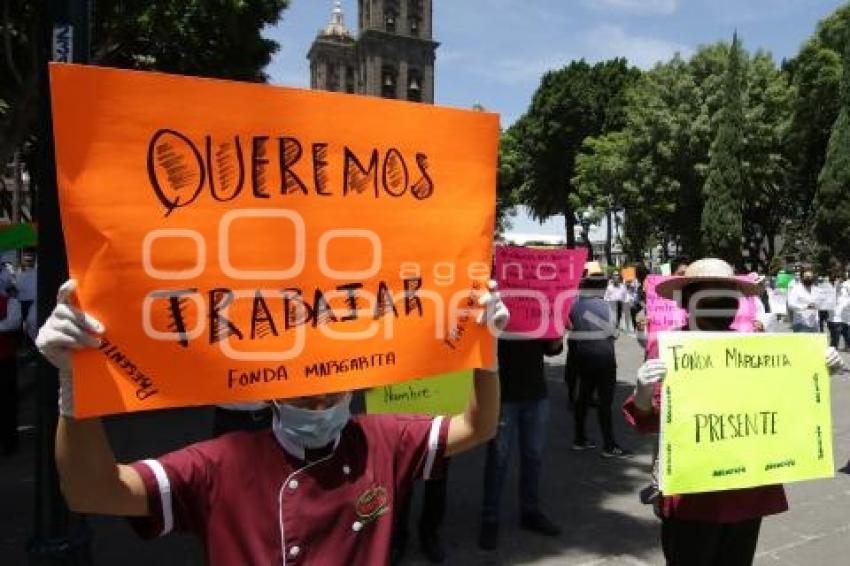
(320, 487)
(714, 528)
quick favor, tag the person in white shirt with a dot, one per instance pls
(765, 321)
(616, 295)
(803, 305)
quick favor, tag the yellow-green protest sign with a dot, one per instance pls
(445, 394)
(743, 410)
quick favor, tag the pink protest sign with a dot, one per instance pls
(661, 314)
(538, 287)
(664, 314)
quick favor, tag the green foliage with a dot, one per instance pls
(219, 38)
(699, 156)
(509, 179)
(832, 203)
(211, 38)
(656, 169)
(722, 214)
(601, 170)
(571, 104)
(815, 76)
(767, 117)
(600, 181)
(19, 34)
(668, 140)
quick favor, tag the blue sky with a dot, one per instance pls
(493, 52)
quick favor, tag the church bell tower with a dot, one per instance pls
(392, 57)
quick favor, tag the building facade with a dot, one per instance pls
(391, 56)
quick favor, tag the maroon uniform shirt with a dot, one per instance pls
(255, 501)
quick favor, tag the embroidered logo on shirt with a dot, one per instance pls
(373, 503)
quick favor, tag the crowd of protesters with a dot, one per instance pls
(330, 458)
(17, 330)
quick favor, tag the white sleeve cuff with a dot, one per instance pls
(164, 495)
(433, 446)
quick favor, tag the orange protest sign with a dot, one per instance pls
(244, 242)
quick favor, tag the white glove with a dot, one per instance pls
(833, 361)
(66, 329)
(650, 373)
(495, 313)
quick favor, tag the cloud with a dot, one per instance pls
(609, 41)
(597, 44)
(516, 71)
(663, 7)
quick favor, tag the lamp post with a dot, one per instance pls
(59, 537)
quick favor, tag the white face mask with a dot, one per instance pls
(310, 429)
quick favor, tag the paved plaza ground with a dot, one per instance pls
(595, 500)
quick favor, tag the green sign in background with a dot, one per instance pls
(734, 424)
(446, 394)
(783, 280)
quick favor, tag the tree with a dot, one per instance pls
(19, 33)
(672, 120)
(722, 215)
(768, 201)
(600, 180)
(832, 205)
(665, 147)
(194, 37)
(815, 75)
(570, 105)
(509, 179)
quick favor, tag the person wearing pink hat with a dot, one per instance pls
(714, 528)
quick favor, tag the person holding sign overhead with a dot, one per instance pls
(714, 528)
(320, 487)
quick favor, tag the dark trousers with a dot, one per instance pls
(619, 312)
(838, 330)
(694, 543)
(634, 310)
(225, 420)
(433, 510)
(8, 405)
(571, 374)
(599, 377)
(823, 318)
(527, 420)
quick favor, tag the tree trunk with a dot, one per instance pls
(609, 235)
(570, 226)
